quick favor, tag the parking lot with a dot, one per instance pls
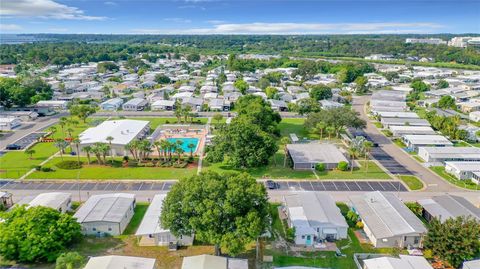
(28, 139)
(166, 185)
(388, 162)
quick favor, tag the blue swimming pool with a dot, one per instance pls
(186, 142)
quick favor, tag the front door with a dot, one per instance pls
(308, 242)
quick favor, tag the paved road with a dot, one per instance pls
(35, 126)
(170, 114)
(387, 149)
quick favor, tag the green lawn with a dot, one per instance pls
(440, 170)
(140, 211)
(413, 182)
(108, 172)
(14, 164)
(461, 144)
(154, 122)
(277, 171)
(399, 143)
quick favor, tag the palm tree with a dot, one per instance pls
(171, 148)
(330, 130)
(76, 141)
(104, 149)
(191, 146)
(158, 146)
(110, 139)
(30, 152)
(96, 150)
(179, 150)
(87, 150)
(52, 129)
(70, 131)
(132, 146)
(62, 123)
(61, 145)
(353, 152)
(164, 144)
(178, 111)
(320, 127)
(285, 141)
(186, 112)
(367, 147)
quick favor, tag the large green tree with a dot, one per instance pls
(338, 118)
(82, 111)
(320, 92)
(259, 112)
(242, 144)
(36, 234)
(229, 210)
(455, 240)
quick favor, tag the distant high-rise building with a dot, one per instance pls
(432, 41)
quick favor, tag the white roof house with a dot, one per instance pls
(443, 154)
(53, 103)
(394, 114)
(112, 104)
(448, 206)
(163, 105)
(106, 213)
(60, 201)
(151, 231)
(122, 131)
(9, 123)
(475, 264)
(462, 170)
(415, 141)
(135, 104)
(386, 122)
(387, 221)
(213, 262)
(120, 262)
(402, 130)
(474, 116)
(315, 217)
(306, 156)
(403, 262)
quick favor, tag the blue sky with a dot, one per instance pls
(239, 16)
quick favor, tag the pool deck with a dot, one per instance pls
(198, 133)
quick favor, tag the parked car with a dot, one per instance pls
(271, 185)
(13, 147)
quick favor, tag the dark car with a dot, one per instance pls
(271, 185)
(13, 147)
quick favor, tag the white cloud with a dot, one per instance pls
(110, 3)
(43, 9)
(216, 21)
(177, 20)
(10, 27)
(302, 28)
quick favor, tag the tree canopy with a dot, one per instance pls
(455, 240)
(82, 111)
(162, 79)
(338, 118)
(229, 210)
(36, 234)
(258, 112)
(23, 91)
(446, 102)
(107, 66)
(320, 92)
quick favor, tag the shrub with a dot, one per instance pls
(38, 167)
(180, 165)
(290, 234)
(114, 163)
(342, 166)
(132, 163)
(69, 164)
(190, 159)
(167, 122)
(149, 164)
(47, 169)
(320, 167)
(125, 158)
(359, 225)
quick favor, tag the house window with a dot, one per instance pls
(109, 228)
(416, 240)
(303, 236)
(94, 229)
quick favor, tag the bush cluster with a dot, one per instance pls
(69, 164)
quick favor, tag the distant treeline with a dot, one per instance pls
(67, 49)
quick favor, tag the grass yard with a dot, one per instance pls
(100, 172)
(461, 144)
(14, 164)
(140, 210)
(467, 184)
(276, 171)
(155, 122)
(413, 182)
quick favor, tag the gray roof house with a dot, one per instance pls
(112, 104)
(398, 131)
(278, 105)
(163, 105)
(414, 142)
(135, 104)
(213, 262)
(387, 220)
(462, 170)
(402, 262)
(448, 206)
(315, 217)
(106, 214)
(60, 201)
(219, 104)
(386, 122)
(151, 232)
(306, 156)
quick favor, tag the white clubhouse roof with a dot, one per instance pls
(403, 262)
(428, 140)
(317, 208)
(110, 207)
(386, 215)
(315, 153)
(449, 206)
(151, 221)
(451, 152)
(49, 199)
(122, 131)
(120, 262)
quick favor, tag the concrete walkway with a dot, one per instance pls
(202, 150)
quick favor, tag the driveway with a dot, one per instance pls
(434, 182)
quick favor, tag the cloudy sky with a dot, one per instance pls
(239, 16)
